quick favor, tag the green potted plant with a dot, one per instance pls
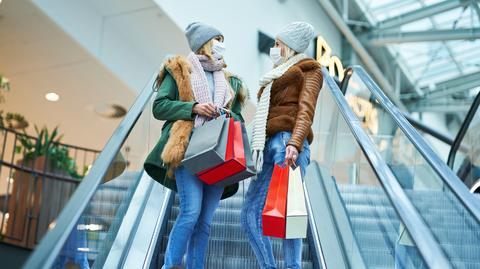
(47, 146)
(39, 197)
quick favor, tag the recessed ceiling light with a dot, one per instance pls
(51, 96)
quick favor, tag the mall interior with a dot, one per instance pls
(394, 178)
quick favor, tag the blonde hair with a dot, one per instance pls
(289, 52)
(206, 49)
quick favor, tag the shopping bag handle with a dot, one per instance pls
(220, 111)
(225, 111)
(284, 164)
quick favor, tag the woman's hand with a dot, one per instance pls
(291, 155)
(205, 109)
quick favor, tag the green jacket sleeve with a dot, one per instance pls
(236, 112)
(236, 108)
(167, 106)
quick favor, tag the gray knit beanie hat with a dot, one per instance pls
(297, 35)
(198, 34)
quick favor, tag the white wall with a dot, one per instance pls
(240, 22)
(129, 37)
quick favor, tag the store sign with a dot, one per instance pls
(325, 58)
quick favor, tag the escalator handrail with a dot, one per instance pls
(51, 244)
(463, 131)
(427, 129)
(439, 166)
(429, 248)
(419, 125)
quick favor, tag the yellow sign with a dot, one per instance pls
(325, 58)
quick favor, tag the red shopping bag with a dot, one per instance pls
(234, 157)
(274, 212)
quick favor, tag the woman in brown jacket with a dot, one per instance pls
(282, 132)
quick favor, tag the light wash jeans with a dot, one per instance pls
(198, 202)
(251, 216)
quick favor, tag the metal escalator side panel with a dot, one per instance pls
(112, 258)
(152, 222)
(330, 223)
(136, 238)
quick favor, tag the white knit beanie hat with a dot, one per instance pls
(297, 35)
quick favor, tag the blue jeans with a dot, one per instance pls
(198, 202)
(251, 216)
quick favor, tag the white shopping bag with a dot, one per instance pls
(297, 215)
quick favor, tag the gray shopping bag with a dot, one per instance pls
(207, 145)
(250, 167)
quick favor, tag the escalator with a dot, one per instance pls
(444, 204)
(463, 150)
(228, 246)
(376, 197)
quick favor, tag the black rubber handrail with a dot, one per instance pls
(463, 131)
(424, 240)
(444, 172)
(51, 244)
(427, 129)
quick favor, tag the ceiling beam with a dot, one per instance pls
(421, 13)
(455, 85)
(363, 54)
(382, 38)
(475, 6)
(447, 107)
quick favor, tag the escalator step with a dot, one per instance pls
(241, 248)
(376, 225)
(235, 262)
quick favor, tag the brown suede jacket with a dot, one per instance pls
(293, 100)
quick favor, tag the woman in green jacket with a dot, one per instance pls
(190, 91)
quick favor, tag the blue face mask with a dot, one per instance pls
(218, 48)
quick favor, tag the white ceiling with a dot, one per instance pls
(38, 57)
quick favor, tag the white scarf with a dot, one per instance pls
(200, 87)
(260, 119)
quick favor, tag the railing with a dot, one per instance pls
(36, 184)
(441, 169)
(424, 240)
(418, 169)
(76, 220)
(463, 131)
(415, 123)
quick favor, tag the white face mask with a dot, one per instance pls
(276, 56)
(218, 47)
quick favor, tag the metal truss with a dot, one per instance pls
(456, 85)
(381, 38)
(421, 13)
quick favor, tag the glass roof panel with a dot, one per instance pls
(430, 62)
